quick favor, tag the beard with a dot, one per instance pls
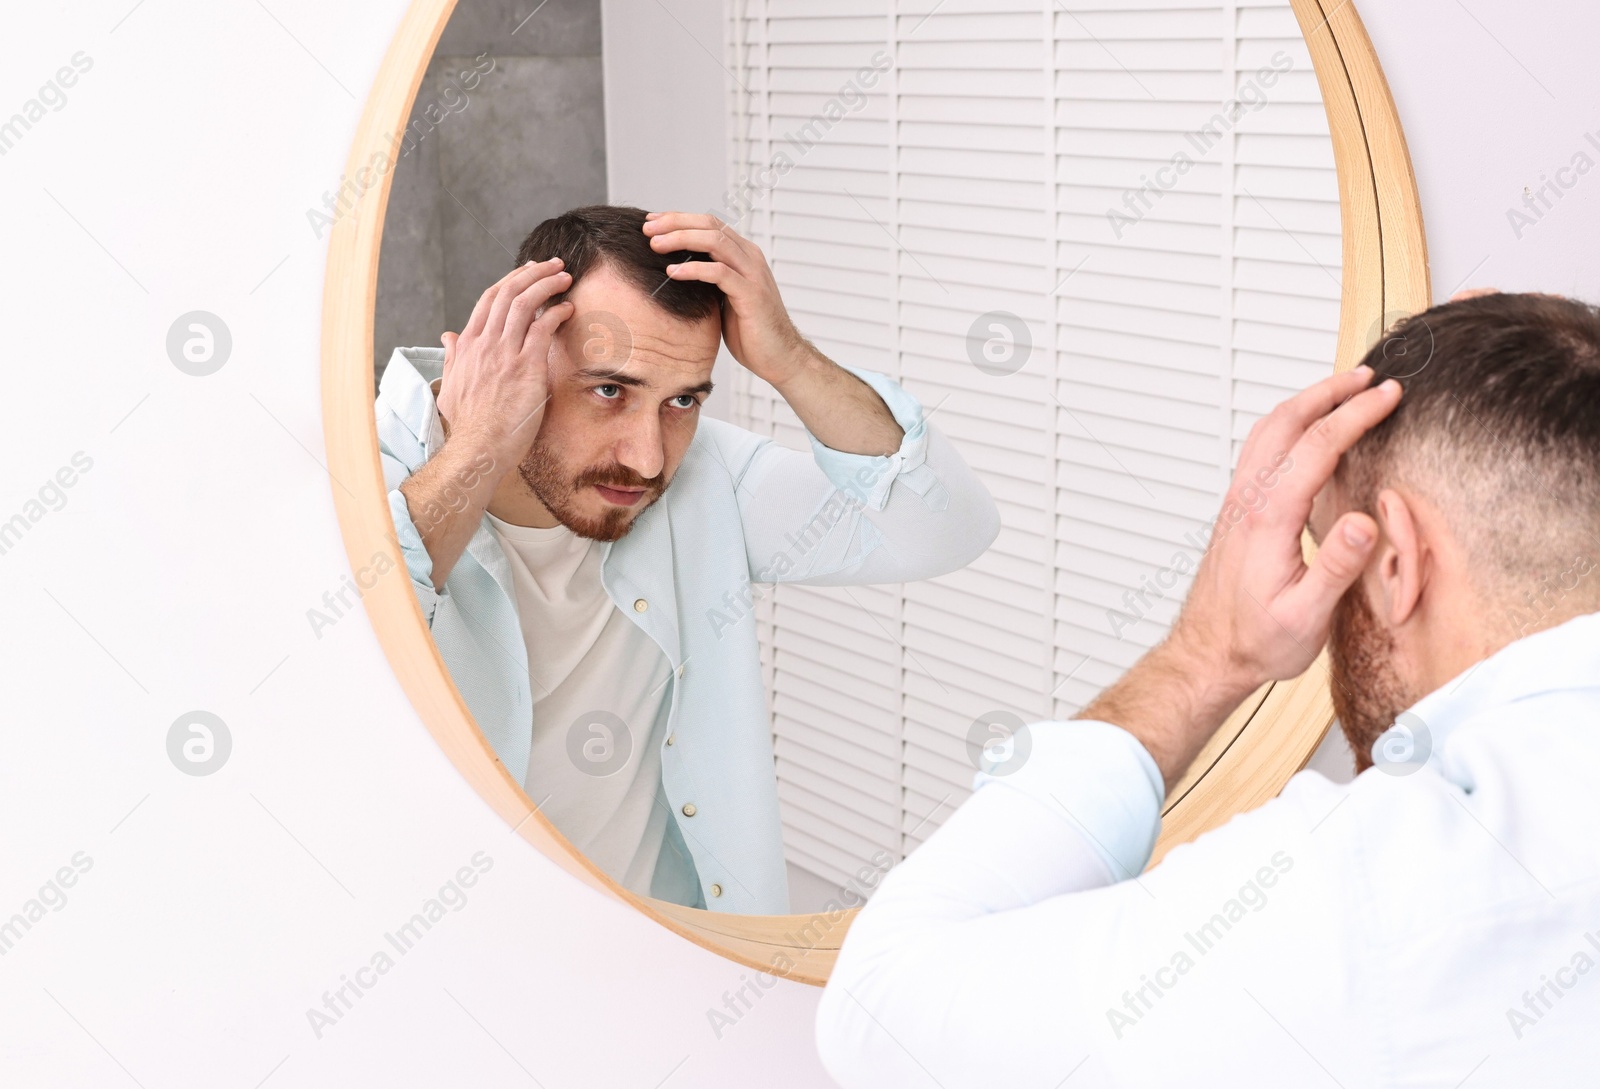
(542, 472)
(1368, 692)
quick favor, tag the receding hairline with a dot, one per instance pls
(613, 235)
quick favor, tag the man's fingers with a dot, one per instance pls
(449, 342)
(1317, 452)
(546, 324)
(720, 246)
(510, 288)
(659, 225)
(1339, 561)
(525, 307)
(712, 272)
(480, 312)
(661, 222)
(1282, 427)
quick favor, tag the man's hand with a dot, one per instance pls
(1256, 607)
(837, 407)
(755, 323)
(1256, 611)
(491, 403)
(496, 373)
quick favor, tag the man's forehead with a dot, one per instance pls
(602, 288)
(615, 323)
(600, 343)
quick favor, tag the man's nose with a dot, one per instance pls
(640, 445)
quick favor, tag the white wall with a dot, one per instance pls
(665, 88)
(178, 574)
(1495, 99)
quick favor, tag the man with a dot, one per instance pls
(1435, 922)
(583, 545)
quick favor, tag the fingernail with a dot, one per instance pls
(1390, 384)
(1364, 370)
(672, 268)
(1358, 535)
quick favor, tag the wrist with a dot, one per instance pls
(1218, 678)
(477, 453)
(795, 367)
(1172, 701)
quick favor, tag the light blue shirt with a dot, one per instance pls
(741, 509)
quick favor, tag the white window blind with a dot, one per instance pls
(980, 175)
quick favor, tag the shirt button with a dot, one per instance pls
(689, 810)
(716, 890)
(682, 668)
(640, 605)
(670, 737)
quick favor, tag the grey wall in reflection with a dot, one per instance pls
(508, 129)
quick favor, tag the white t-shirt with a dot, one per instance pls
(600, 708)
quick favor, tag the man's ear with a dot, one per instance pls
(1400, 560)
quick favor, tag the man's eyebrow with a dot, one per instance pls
(602, 374)
(622, 378)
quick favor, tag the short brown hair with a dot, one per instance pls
(613, 235)
(1499, 424)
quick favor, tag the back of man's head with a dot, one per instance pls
(1499, 426)
(613, 235)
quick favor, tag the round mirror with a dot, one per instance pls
(1073, 253)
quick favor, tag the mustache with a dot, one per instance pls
(617, 476)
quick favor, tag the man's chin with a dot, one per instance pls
(603, 528)
(602, 521)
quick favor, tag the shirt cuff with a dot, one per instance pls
(869, 477)
(419, 564)
(1092, 775)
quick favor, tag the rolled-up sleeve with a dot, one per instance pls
(406, 414)
(419, 564)
(837, 518)
(869, 477)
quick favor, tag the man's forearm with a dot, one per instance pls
(843, 412)
(447, 498)
(1172, 701)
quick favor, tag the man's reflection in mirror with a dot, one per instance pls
(589, 550)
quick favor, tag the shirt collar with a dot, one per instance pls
(1565, 656)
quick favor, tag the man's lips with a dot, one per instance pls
(623, 497)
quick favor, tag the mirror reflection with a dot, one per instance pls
(747, 528)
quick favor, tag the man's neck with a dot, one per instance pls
(513, 503)
(1479, 628)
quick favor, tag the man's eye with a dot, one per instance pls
(610, 391)
(684, 400)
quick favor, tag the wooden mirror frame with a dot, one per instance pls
(1267, 740)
